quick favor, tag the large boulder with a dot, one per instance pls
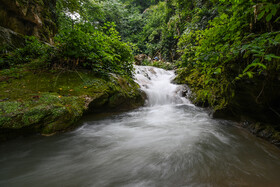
(255, 99)
(51, 102)
(256, 105)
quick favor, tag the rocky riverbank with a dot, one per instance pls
(254, 104)
(47, 102)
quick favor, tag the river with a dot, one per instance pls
(169, 142)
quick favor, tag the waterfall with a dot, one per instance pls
(157, 84)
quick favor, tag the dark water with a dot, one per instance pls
(164, 144)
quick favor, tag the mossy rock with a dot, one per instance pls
(10, 39)
(48, 102)
(116, 100)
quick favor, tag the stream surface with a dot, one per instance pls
(169, 142)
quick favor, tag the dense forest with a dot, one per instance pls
(227, 52)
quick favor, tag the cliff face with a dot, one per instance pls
(29, 17)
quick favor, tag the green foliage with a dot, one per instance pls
(158, 37)
(101, 50)
(268, 11)
(167, 21)
(140, 4)
(89, 42)
(128, 19)
(235, 45)
(153, 30)
(82, 42)
(33, 49)
(260, 49)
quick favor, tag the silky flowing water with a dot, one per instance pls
(169, 142)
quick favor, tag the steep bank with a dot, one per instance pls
(254, 103)
(256, 106)
(46, 102)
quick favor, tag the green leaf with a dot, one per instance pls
(261, 65)
(218, 71)
(268, 17)
(224, 16)
(277, 37)
(250, 74)
(261, 15)
(256, 61)
(267, 57)
(270, 56)
(274, 11)
(244, 47)
(267, 7)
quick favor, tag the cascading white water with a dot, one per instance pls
(167, 143)
(157, 84)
